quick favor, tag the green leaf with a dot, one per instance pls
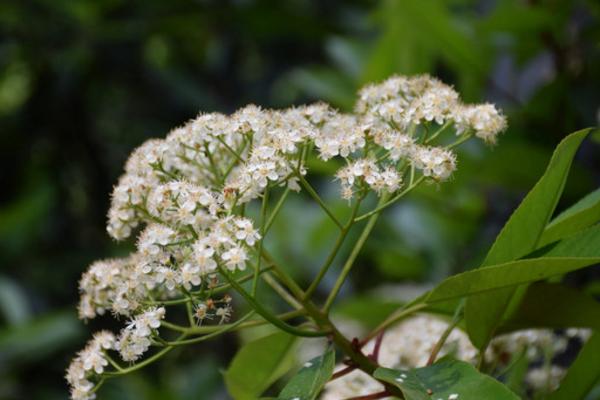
(582, 214)
(369, 310)
(505, 275)
(583, 374)
(519, 237)
(311, 379)
(552, 305)
(444, 379)
(258, 364)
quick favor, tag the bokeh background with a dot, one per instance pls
(82, 83)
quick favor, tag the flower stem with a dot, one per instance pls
(318, 199)
(142, 364)
(338, 244)
(276, 210)
(223, 329)
(263, 312)
(394, 199)
(458, 316)
(263, 218)
(394, 317)
(350, 261)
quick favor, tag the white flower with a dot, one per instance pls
(144, 323)
(435, 162)
(203, 256)
(104, 340)
(245, 231)
(93, 359)
(484, 119)
(235, 257)
(131, 346)
(190, 275)
(170, 277)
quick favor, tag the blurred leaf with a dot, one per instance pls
(583, 374)
(518, 18)
(370, 311)
(398, 263)
(404, 48)
(519, 236)
(579, 216)
(37, 339)
(324, 84)
(310, 380)
(258, 364)
(446, 379)
(13, 302)
(20, 221)
(347, 54)
(551, 305)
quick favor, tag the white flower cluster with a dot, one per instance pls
(216, 161)
(134, 339)
(89, 361)
(132, 342)
(184, 195)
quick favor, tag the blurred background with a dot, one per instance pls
(82, 83)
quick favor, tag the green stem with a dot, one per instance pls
(281, 291)
(456, 318)
(112, 362)
(213, 165)
(438, 132)
(283, 276)
(338, 244)
(386, 204)
(318, 199)
(263, 218)
(460, 141)
(223, 329)
(142, 364)
(232, 151)
(195, 330)
(350, 261)
(263, 312)
(393, 318)
(276, 209)
(235, 162)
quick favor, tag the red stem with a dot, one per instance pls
(378, 340)
(343, 372)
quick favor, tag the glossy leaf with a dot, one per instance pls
(258, 364)
(310, 380)
(582, 214)
(520, 236)
(446, 379)
(505, 275)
